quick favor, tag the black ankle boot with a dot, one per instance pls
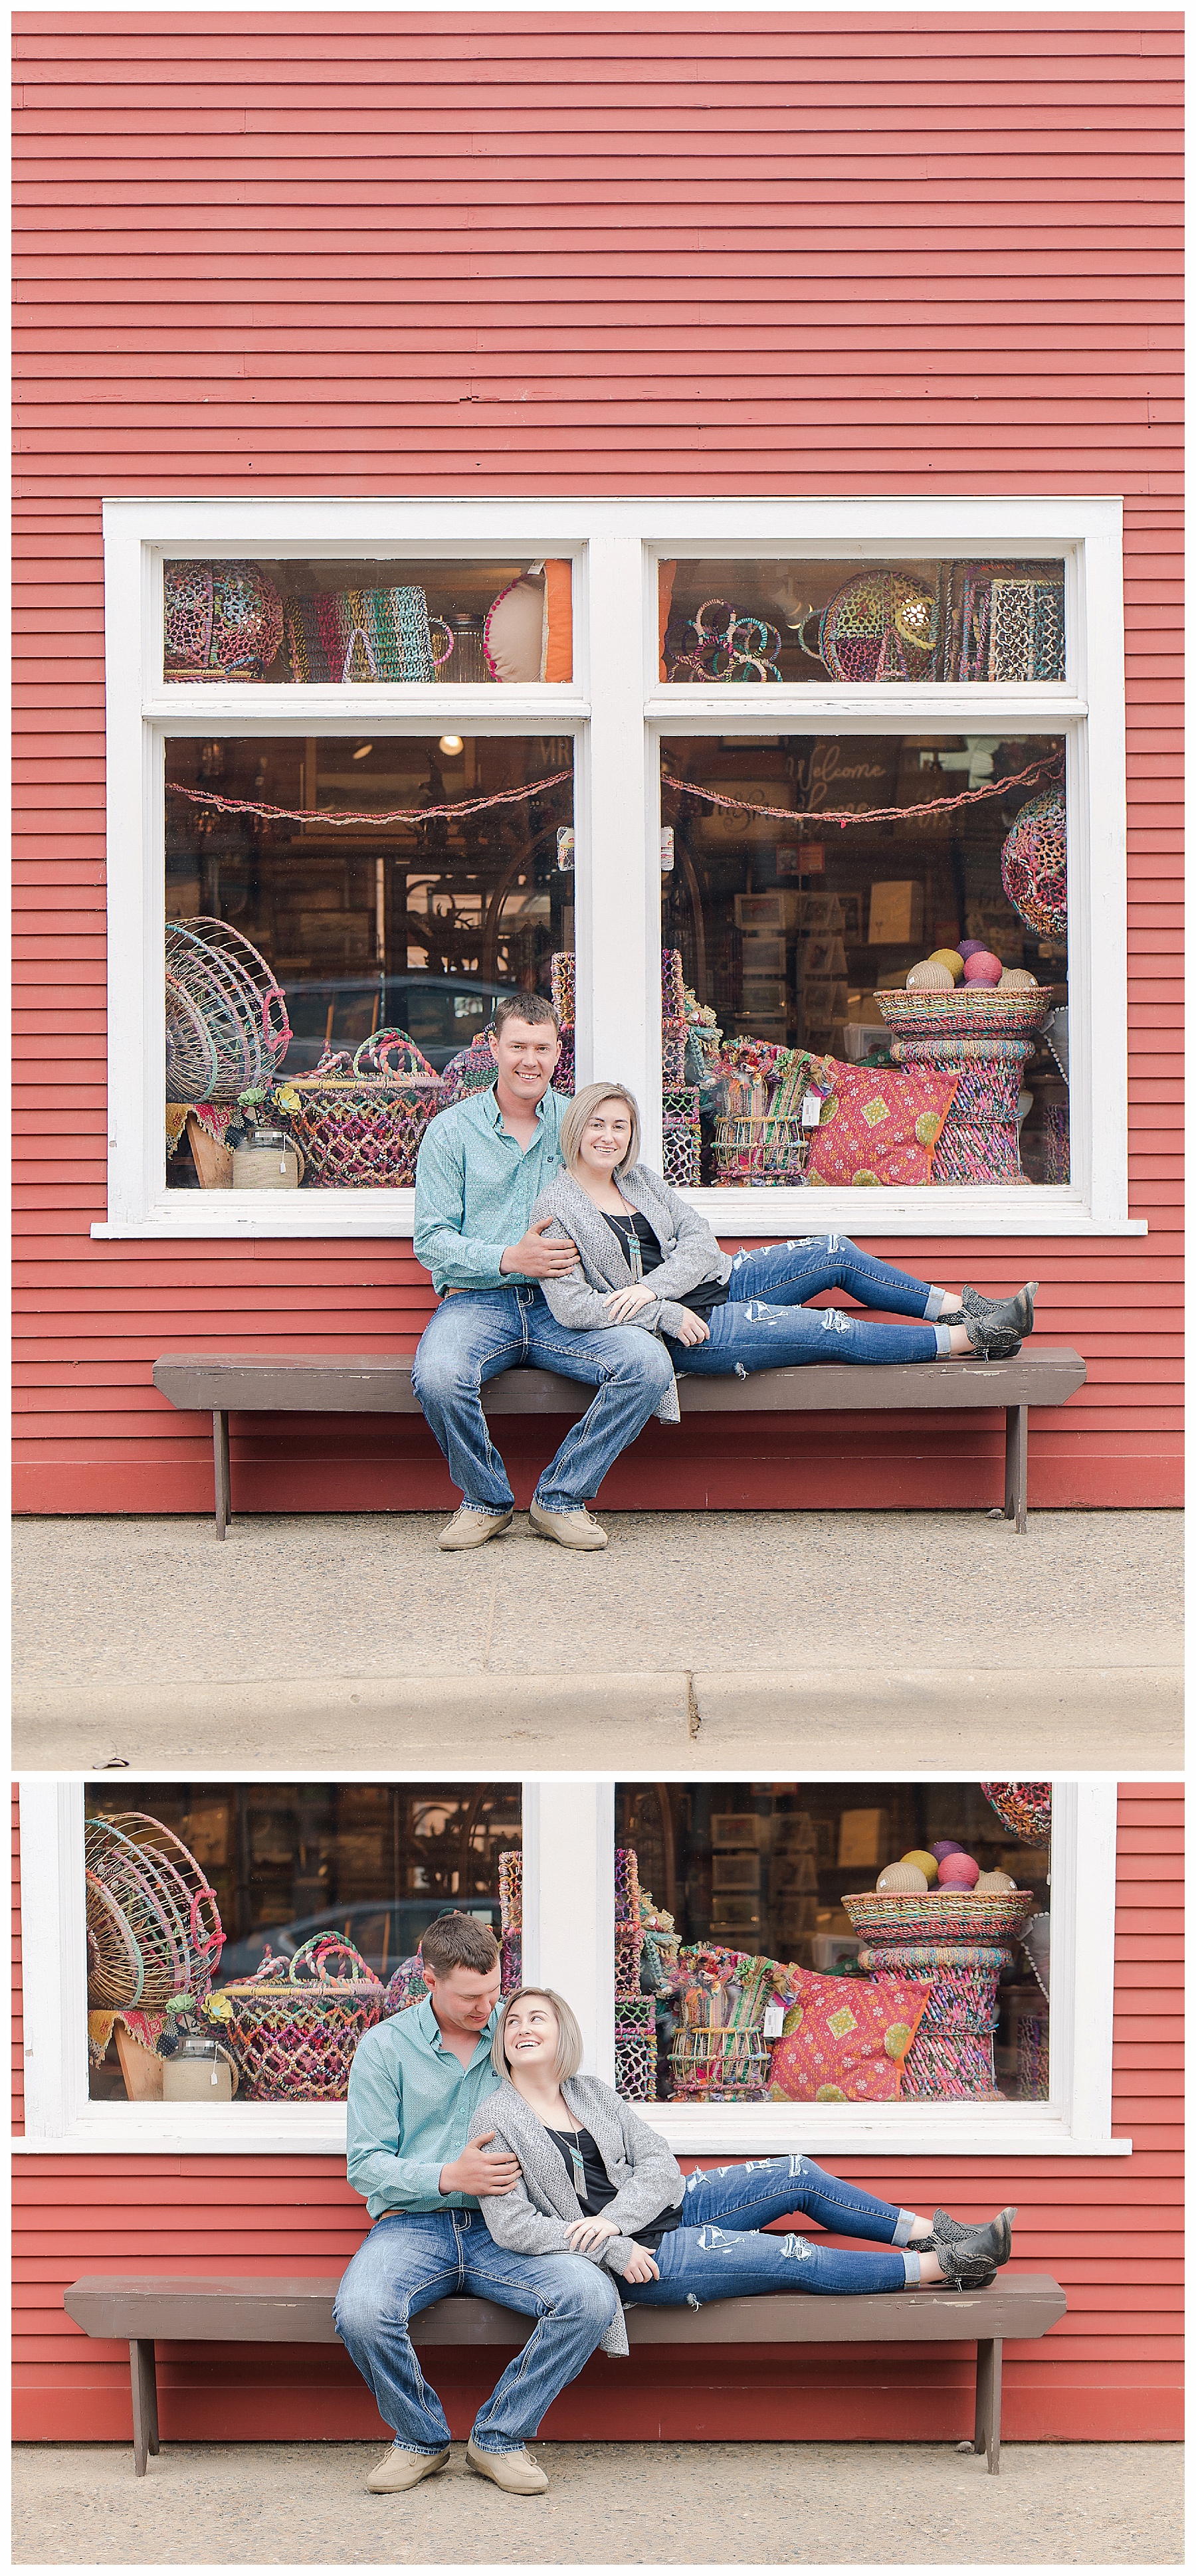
(990, 1339)
(1015, 1312)
(994, 2242)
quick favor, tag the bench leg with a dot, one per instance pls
(144, 2377)
(1017, 1463)
(224, 1489)
(988, 2403)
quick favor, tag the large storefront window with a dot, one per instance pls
(874, 1000)
(898, 621)
(241, 1939)
(877, 1942)
(361, 622)
(343, 973)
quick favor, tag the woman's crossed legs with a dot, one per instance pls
(719, 2253)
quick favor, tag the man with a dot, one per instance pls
(481, 1168)
(414, 2085)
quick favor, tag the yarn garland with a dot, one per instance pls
(797, 821)
(460, 806)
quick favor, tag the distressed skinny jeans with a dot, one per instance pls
(766, 1322)
(718, 2252)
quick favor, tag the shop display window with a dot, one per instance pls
(906, 622)
(330, 983)
(879, 1942)
(241, 1938)
(367, 620)
(890, 902)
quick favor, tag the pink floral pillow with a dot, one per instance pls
(880, 1127)
(845, 2039)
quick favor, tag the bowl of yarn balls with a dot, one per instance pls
(966, 990)
(941, 1894)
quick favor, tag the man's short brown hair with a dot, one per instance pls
(531, 1007)
(458, 1941)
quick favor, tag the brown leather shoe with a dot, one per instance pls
(514, 2471)
(569, 1529)
(402, 2468)
(472, 1529)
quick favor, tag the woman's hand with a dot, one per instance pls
(584, 2233)
(641, 2267)
(691, 1330)
(625, 1302)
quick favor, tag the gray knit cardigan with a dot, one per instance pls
(690, 1255)
(533, 2218)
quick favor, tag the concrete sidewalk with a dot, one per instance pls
(861, 1639)
(617, 2504)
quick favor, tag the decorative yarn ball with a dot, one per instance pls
(901, 1879)
(959, 1870)
(995, 1882)
(930, 977)
(950, 958)
(941, 1850)
(970, 948)
(982, 967)
(1018, 979)
(923, 1860)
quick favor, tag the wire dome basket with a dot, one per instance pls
(1034, 864)
(153, 1923)
(233, 1012)
(294, 2025)
(223, 621)
(880, 626)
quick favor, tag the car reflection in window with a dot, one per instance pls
(384, 1934)
(442, 1013)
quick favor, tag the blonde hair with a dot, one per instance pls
(580, 1111)
(569, 2046)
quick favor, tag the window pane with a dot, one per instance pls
(924, 619)
(189, 1885)
(292, 943)
(369, 620)
(770, 1967)
(790, 935)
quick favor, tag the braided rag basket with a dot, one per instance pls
(361, 1119)
(294, 2025)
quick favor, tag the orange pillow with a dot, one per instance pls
(558, 610)
(845, 2039)
(880, 1127)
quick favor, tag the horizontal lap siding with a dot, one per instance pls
(339, 254)
(1110, 2229)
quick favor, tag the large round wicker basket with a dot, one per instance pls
(972, 1011)
(949, 1915)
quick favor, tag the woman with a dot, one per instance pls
(646, 1257)
(598, 2181)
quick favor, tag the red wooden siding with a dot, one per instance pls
(1109, 2228)
(328, 253)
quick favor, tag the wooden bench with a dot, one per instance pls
(138, 2309)
(224, 1382)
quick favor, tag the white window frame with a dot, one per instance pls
(568, 1941)
(618, 714)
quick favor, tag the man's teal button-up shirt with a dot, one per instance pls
(475, 1189)
(410, 2105)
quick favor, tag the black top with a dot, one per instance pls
(701, 1300)
(599, 2189)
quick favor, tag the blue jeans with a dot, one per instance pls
(718, 2253)
(766, 1322)
(407, 2263)
(476, 1336)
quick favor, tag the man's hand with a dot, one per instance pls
(623, 1303)
(641, 2267)
(691, 1330)
(484, 2177)
(588, 2232)
(535, 1257)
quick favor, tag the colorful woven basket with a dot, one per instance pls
(226, 1016)
(223, 621)
(1034, 864)
(153, 1924)
(953, 1916)
(880, 626)
(294, 2025)
(364, 635)
(1023, 1805)
(973, 1011)
(361, 1119)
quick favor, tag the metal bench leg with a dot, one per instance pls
(224, 1488)
(1017, 1463)
(988, 2403)
(144, 2378)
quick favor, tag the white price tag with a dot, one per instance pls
(774, 2020)
(811, 1109)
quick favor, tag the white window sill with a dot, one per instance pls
(199, 1215)
(820, 2130)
